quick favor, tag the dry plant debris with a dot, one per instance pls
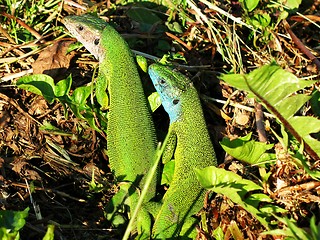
(51, 167)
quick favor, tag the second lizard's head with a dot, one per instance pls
(170, 85)
(88, 30)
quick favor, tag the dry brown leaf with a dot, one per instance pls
(39, 106)
(18, 165)
(54, 60)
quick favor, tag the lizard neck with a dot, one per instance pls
(188, 109)
(191, 129)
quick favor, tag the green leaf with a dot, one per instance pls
(271, 209)
(145, 17)
(142, 63)
(74, 46)
(218, 233)
(13, 220)
(216, 179)
(261, 20)
(250, 5)
(293, 5)
(63, 87)
(234, 187)
(5, 235)
(315, 102)
(276, 89)
(300, 160)
(315, 229)
(167, 173)
(174, 27)
(154, 101)
(80, 95)
(90, 118)
(50, 233)
(251, 152)
(40, 84)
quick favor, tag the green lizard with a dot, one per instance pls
(131, 135)
(193, 150)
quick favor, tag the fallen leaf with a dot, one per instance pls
(54, 60)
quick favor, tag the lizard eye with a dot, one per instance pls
(175, 101)
(80, 27)
(162, 81)
(96, 41)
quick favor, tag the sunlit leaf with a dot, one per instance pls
(39, 84)
(13, 220)
(63, 87)
(235, 188)
(247, 150)
(277, 90)
(154, 101)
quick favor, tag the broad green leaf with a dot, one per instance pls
(291, 104)
(88, 115)
(292, 4)
(167, 173)
(40, 84)
(154, 101)
(63, 87)
(292, 231)
(234, 187)
(251, 152)
(261, 20)
(145, 17)
(80, 95)
(277, 90)
(250, 5)
(5, 235)
(13, 220)
(255, 199)
(220, 181)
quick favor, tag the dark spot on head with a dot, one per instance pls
(96, 41)
(80, 28)
(162, 81)
(175, 101)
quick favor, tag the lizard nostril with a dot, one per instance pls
(96, 41)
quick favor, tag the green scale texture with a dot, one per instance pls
(130, 133)
(193, 150)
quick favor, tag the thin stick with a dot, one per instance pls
(300, 45)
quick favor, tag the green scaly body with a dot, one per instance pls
(193, 150)
(130, 134)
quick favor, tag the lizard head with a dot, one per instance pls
(87, 29)
(170, 85)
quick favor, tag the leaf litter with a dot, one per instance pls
(56, 156)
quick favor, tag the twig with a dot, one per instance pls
(260, 122)
(16, 105)
(23, 24)
(300, 45)
(237, 105)
(179, 40)
(63, 194)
